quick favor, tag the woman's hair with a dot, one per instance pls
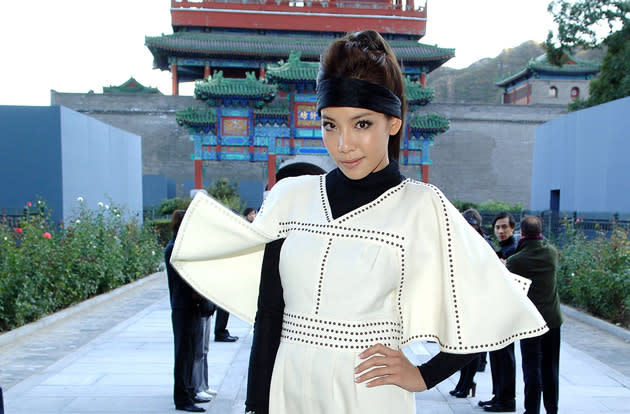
(247, 211)
(473, 218)
(367, 56)
(176, 221)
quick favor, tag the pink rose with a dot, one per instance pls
(46, 235)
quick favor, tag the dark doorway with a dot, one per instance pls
(554, 201)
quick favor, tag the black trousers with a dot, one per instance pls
(187, 334)
(541, 365)
(467, 375)
(503, 369)
(220, 323)
(1, 402)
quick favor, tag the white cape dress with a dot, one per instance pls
(405, 267)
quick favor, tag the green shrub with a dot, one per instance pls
(167, 207)
(227, 193)
(595, 274)
(163, 229)
(488, 206)
(44, 267)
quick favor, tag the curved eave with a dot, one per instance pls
(274, 47)
(193, 117)
(429, 124)
(566, 69)
(536, 67)
(512, 78)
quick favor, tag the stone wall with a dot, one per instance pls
(486, 154)
(540, 90)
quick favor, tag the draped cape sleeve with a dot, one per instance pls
(456, 291)
(219, 253)
(451, 288)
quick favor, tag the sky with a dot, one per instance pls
(83, 45)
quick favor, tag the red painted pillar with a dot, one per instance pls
(425, 173)
(423, 79)
(198, 174)
(271, 171)
(175, 80)
(206, 71)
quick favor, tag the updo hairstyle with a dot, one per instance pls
(366, 55)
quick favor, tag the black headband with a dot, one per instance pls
(357, 93)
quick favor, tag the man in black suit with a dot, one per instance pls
(502, 364)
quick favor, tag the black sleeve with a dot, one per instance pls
(442, 366)
(267, 330)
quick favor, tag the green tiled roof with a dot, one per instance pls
(274, 108)
(430, 123)
(541, 64)
(130, 86)
(196, 116)
(201, 44)
(416, 94)
(292, 70)
(218, 86)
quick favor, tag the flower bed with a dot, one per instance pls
(45, 267)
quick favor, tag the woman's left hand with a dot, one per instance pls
(390, 366)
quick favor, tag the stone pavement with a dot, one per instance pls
(113, 354)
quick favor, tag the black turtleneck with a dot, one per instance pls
(507, 247)
(344, 195)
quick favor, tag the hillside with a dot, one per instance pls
(475, 84)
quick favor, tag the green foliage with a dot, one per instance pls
(44, 268)
(226, 192)
(163, 229)
(167, 207)
(595, 274)
(613, 81)
(579, 25)
(489, 206)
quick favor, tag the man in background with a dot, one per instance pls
(502, 364)
(536, 259)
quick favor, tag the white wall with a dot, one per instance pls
(100, 163)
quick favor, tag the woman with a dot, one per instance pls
(187, 330)
(369, 261)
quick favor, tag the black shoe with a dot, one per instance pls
(226, 338)
(485, 403)
(500, 408)
(453, 392)
(464, 394)
(201, 400)
(190, 408)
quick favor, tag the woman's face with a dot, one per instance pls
(357, 139)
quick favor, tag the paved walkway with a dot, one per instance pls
(113, 354)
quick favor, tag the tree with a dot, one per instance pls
(589, 24)
(226, 192)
